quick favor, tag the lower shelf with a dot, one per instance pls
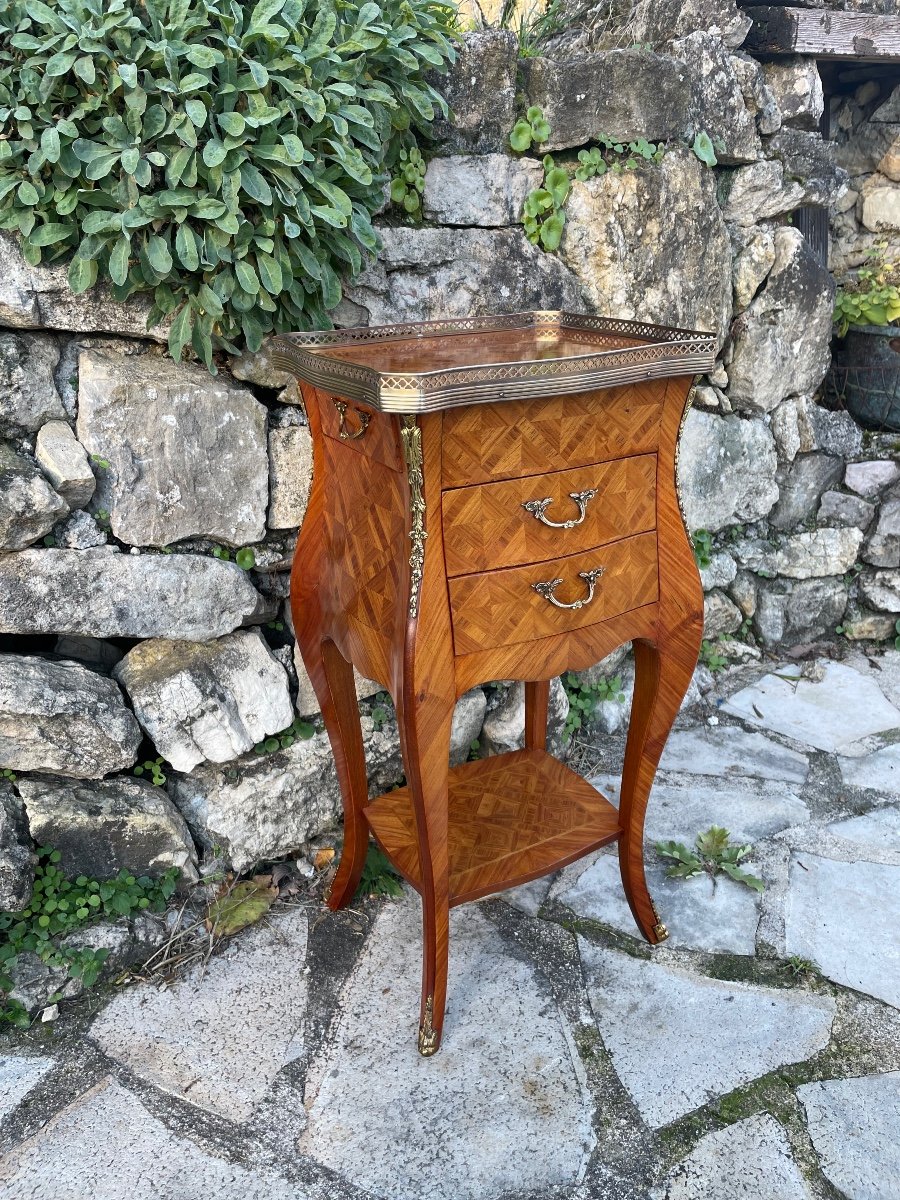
(512, 818)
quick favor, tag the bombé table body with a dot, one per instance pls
(493, 498)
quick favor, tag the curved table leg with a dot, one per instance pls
(537, 702)
(663, 673)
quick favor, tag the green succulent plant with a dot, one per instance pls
(409, 182)
(225, 158)
(531, 130)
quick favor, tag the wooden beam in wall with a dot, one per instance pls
(824, 33)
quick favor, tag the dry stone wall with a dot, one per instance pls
(129, 484)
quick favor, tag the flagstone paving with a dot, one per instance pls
(755, 1055)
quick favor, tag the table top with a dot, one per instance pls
(431, 365)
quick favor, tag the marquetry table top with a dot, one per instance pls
(430, 365)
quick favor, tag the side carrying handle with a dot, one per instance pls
(547, 588)
(538, 508)
(343, 432)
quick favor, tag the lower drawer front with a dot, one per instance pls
(500, 608)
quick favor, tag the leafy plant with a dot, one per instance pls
(544, 214)
(245, 557)
(7, 776)
(701, 539)
(532, 25)
(298, 729)
(409, 182)
(872, 298)
(616, 156)
(584, 698)
(712, 657)
(713, 854)
(702, 146)
(381, 709)
(225, 158)
(378, 877)
(531, 130)
(59, 906)
(153, 768)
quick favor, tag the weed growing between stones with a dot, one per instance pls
(379, 878)
(702, 541)
(713, 855)
(297, 730)
(712, 657)
(59, 906)
(152, 767)
(584, 698)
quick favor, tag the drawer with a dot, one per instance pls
(500, 608)
(484, 442)
(487, 526)
(373, 434)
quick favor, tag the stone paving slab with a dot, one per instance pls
(877, 831)
(855, 1128)
(750, 1160)
(678, 1040)
(501, 1108)
(696, 916)
(834, 713)
(879, 771)
(846, 918)
(17, 1077)
(107, 1146)
(679, 809)
(217, 1038)
(725, 751)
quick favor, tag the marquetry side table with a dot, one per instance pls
(493, 498)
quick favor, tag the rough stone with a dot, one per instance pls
(658, 21)
(63, 460)
(429, 274)
(28, 395)
(744, 592)
(875, 831)
(504, 726)
(720, 571)
(759, 191)
(101, 593)
(624, 94)
(879, 771)
(62, 718)
(881, 209)
(797, 87)
(719, 615)
(206, 701)
(480, 89)
(855, 1127)
(870, 478)
(840, 509)
(101, 828)
(484, 190)
(836, 432)
(218, 1035)
(653, 1017)
(290, 476)
(845, 917)
(40, 298)
(808, 555)
(33, 983)
(830, 713)
(751, 266)
(883, 546)
(809, 158)
(546, 1111)
(726, 751)
(789, 613)
(187, 450)
(679, 808)
(881, 589)
(744, 1161)
(613, 715)
(257, 367)
(79, 531)
(758, 96)
(859, 624)
(800, 485)
(889, 164)
(697, 916)
(718, 105)
(17, 1077)
(468, 718)
(652, 240)
(266, 806)
(115, 1149)
(792, 427)
(726, 470)
(782, 343)
(29, 507)
(16, 858)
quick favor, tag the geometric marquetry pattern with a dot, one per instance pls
(527, 437)
(500, 608)
(381, 440)
(510, 818)
(486, 526)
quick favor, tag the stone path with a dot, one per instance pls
(753, 1056)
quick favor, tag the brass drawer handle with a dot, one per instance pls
(343, 432)
(549, 587)
(538, 508)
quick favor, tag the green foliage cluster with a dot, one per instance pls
(382, 707)
(224, 157)
(702, 541)
(584, 698)
(544, 214)
(872, 298)
(531, 130)
(713, 854)
(298, 730)
(712, 657)
(378, 876)
(245, 557)
(153, 767)
(610, 155)
(409, 183)
(533, 25)
(60, 906)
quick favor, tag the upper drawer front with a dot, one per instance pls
(501, 608)
(529, 437)
(374, 434)
(487, 526)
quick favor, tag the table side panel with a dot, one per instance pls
(379, 440)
